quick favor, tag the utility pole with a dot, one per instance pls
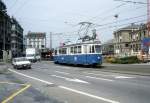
(117, 37)
(50, 38)
(148, 17)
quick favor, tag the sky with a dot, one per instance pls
(61, 17)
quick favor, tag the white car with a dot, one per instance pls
(22, 62)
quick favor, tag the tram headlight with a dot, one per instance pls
(98, 57)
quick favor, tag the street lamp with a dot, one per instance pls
(117, 37)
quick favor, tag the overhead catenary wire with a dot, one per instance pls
(119, 13)
(113, 26)
(13, 4)
(107, 11)
(135, 2)
(122, 20)
(20, 7)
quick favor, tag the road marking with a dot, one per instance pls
(11, 83)
(30, 77)
(123, 77)
(100, 78)
(72, 80)
(62, 72)
(98, 74)
(15, 94)
(89, 95)
(66, 88)
(115, 76)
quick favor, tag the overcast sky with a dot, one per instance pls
(61, 16)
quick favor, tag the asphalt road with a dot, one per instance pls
(86, 85)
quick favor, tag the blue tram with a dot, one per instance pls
(86, 53)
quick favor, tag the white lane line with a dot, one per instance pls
(66, 88)
(100, 78)
(70, 79)
(100, 74)
(62, 72)
(123, 77)
(31, 77)
(114, 76)
(90, 95)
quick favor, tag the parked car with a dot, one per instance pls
(21, 63)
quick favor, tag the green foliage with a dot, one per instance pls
(124, 60)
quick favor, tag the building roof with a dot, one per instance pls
(2, 5)
(36, 34)
(131, 27)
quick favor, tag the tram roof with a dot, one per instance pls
(91, 42)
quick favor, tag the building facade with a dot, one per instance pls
(5, 32)
(108, 47)
(36, 40)
(128, 40)
(16, 38)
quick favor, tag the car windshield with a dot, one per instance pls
(20, 59)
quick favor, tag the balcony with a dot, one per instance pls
(13, 35)
(13, 41)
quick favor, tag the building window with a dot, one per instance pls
(42, 46)
(126, 45)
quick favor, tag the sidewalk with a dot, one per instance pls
(14, 90)
(3, 67)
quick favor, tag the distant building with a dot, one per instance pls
(128, 40)
(24, 44)
(36, 40)
(108, 47)
(16, 38)
(5, 32)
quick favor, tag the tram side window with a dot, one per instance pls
(64, 51)
(60, 51)
(75, 49)
(79, 49)
(92, 49)
(71, 50)
(97, 48)
(55, 52)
